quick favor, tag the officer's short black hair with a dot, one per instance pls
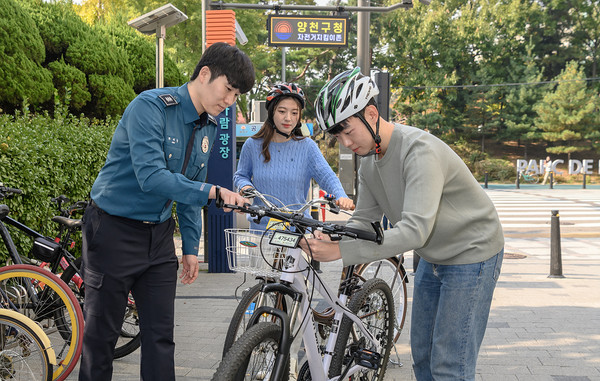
(224, 59)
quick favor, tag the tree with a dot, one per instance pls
(567, 114)
(24, 79)
(519, 114)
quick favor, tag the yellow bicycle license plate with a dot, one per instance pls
(275, 224)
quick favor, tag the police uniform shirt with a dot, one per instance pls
(142, 173)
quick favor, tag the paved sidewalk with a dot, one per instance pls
(540, 328)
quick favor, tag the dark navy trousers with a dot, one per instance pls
(120, 255)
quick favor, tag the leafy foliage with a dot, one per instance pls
(47, 48)
(112, 94)
(46, 157)
(567, 114)
(70, 83)
(23, 77)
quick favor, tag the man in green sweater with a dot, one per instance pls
(437, 209)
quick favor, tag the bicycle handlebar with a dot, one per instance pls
(335, 231)
(6, 192)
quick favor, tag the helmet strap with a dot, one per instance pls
(375, 135)
(287, 136)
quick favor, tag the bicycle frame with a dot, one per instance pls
(292, 282)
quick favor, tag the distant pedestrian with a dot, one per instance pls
(548, 169)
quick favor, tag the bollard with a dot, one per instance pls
(517, 183)
(486, 180)
(584, 180)
(555, 255)
(551, 180)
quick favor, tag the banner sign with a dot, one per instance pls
(319, 31)
(575, 166)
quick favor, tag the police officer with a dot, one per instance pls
(158, 155)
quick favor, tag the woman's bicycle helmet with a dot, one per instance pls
(343, 97)
(287, 90)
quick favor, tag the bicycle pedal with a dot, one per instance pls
(367, 358)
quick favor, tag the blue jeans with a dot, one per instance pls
(451, 305)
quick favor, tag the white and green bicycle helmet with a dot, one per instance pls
(344, 96)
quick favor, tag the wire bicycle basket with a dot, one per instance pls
(249, 251)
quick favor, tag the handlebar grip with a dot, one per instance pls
(218, 200)
(375, 236)
(13, 190)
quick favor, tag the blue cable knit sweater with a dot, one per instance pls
(287, 175)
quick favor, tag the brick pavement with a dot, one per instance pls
(540, 328)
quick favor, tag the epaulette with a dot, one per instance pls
(168, 99)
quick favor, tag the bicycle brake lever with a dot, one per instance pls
(378, 231)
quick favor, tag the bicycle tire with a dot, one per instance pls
(130, 338)
(54, 296)
(373, 303)
(25, 352)
(394, 274)
(245, 309)
(260, 339)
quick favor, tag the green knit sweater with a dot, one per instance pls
(436, 206)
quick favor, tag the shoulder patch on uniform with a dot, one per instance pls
(168, 99)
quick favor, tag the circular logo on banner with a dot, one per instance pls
(205, 144)
(283, 30)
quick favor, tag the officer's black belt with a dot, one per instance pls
(129, 220)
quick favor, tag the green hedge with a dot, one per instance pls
(47, 157)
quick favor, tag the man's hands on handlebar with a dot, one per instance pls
(322, 248)
(227, 197)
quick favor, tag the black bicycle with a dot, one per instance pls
(54, 254)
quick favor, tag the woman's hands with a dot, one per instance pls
(345, 203)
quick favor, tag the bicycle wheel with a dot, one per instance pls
(373, 305)
(25, 353)
(44, 298)
(394, 274)
(253, 355)
(245, 309)
(130, 339)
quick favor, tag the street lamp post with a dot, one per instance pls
(157, 22)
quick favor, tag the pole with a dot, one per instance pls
(555, 251)
(362, 46)
(551, 180)
(518, 183)
(584, 179)
(283, 64)
(161, 31)
(486, 180)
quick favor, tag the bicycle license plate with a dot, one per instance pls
(285, 239)
(275, 224)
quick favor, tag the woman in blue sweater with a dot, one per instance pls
(279, 161)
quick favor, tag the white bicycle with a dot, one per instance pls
(362, 332)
